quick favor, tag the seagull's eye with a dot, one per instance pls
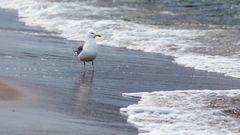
(92, 33)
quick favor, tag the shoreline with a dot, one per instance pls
(92, 97)
(214, 112)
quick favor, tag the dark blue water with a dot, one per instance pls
(175, 12)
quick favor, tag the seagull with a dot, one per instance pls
(88, 51)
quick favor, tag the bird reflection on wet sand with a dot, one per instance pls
(83, 91)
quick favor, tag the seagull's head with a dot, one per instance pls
(93, 34)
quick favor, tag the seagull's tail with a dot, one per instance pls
(78, 51)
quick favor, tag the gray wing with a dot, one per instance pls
(79, 49)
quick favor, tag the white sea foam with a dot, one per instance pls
(167, 13)
(229, 66)
(61, 17)
(181, 113)
(8, 56)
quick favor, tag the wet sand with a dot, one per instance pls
(82, 101)
(9, 92)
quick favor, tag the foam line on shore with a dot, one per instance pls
(193, 112)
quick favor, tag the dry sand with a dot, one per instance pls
(9, 92)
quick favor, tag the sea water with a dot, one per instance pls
(202, 34)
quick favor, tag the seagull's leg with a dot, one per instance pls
(93, 65)
(84, 64)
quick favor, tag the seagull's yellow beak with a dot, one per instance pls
(98, 35)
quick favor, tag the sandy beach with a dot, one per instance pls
(75, 101)
(8, 92)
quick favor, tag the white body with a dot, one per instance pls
(89, 51)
